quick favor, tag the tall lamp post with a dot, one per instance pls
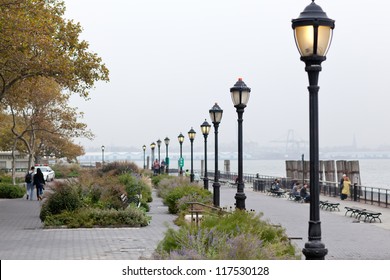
(103, 148)
(313, 33)
(181, 160)
(144, 148)
(191, 135)
(240, 95)
(152, 146)
(166, 141)
(205, 127)
(216, 116)
(159, 159)
(158, 149)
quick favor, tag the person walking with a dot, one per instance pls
(29, 183)
(341, 185)
(345, 192)
(39, 181)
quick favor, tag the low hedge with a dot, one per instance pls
(10, 191)
(93, 217)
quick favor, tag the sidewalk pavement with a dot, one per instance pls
(343, 236)
(22, 236)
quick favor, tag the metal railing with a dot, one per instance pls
(261, 183)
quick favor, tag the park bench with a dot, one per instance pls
(331, 206)
(278, 193)
(369, 216)
(295, 197)
(354, 211)
(126, 201)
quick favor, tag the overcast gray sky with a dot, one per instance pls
(170, 60)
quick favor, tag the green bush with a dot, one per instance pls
(136, 186)
(118, 168)
(67, 170)
(92, 217)
(65, 197)
(236, 236)
(10, 191)
(174, 197)
(156, 179)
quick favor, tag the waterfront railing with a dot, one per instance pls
(362, 194)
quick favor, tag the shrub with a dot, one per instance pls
(8, 190)
(92, 217)
(156, 179)
(117, 168)
(174, 196)
(65, 197)
(169, 183)
(67, 170)
(135, 186)
(111, 196)
(219, 238)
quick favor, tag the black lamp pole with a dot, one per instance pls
(240, 95)
(191, 135)
(216, 116)
(152, 146)
(181, 140)
(144, 148)
(205, 127)
(313, 33)
(166, 141)
(103, 148)
(158, 148)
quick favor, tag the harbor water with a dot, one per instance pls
(373, 172)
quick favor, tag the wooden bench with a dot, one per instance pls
(329, 205)
(355, 211)
(369, 216)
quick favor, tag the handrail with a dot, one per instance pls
(196, 212)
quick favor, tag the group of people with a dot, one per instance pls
(36, 180)
(158, 167)
(300, 192)
(345, 185)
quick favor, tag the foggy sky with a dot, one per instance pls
(171, 60)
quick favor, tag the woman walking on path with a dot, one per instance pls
(39, 181)
(346, 186)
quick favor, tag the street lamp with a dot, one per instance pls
(158, 148)
(216, 116)
(191, 135)
(159, 160)
(181, 160)
(152, 146)
(103, 156)
(166, 141)
(144, 148)
(240, 95)
(313, 33)
(205, 127)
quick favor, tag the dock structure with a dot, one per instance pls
(330, 170)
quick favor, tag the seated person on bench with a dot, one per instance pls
(275, 185)
(304, 194)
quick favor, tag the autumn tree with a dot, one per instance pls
(42, 119)
(36, 40)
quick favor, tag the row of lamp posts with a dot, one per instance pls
(313, 33)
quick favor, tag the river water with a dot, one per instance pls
(373, 172)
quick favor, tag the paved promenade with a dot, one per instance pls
(22, 236)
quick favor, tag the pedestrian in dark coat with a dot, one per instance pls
(39, 182)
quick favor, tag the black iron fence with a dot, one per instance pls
(363, 194)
